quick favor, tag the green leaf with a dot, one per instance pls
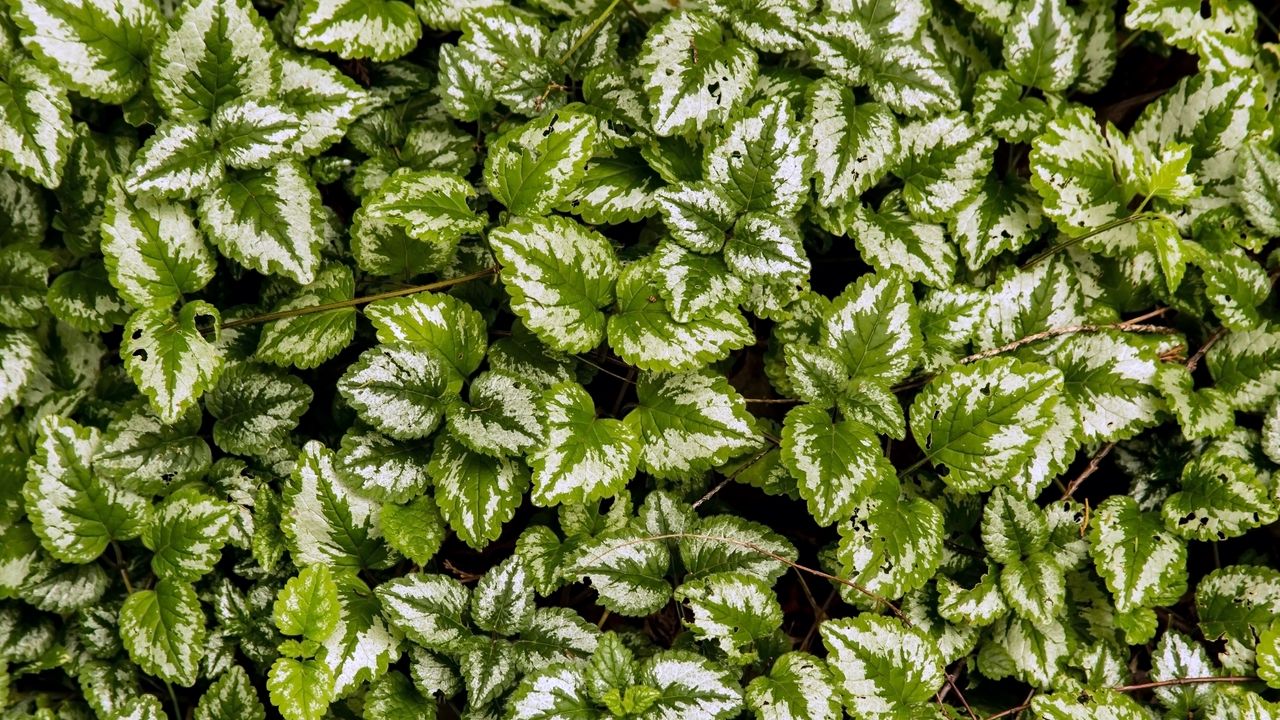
(433, 320)
(399, 389)
(96, 50)
(583, 458)
(798, 687)
(144, 454)
(152, 249)
(503, 599)
(979, 605)
(1078, 706)
(532, 168)
(944, 164)
(256, 408)
(84, 299)
(883, 668)
(999, 106)
(627, 570)
(1259, 168)
(476, 493)
(307, 340)
(1012, 527)
(300, 689)
(308, 604)
(1034, 587)
(185, 534)
(503, 417)
(761, 160)
(854, 145)
(35, 123)
(980, 421)
(324, 521)
(488, 668)
(769, 25)
(394, 696)
(766, 248)
(694, 76)
(428, 609)
(1246, 366)
(873, 326)
(179, 161)
(1221, 32)
(615, 190)
(836, 465)
(1004, 216)
(689, 423)
(1221, 497)
(73, 512)
(268, 220)
(431, 206)
(379, 30)
(24, 284)
(644, 333)
(560, 275)
(363, 645)
(733, 610)
(1270, 433)
(251, 134)
(164, 631)
(1042, 45)
(414, 529)
(890, 546)
(212, 52)
(1201, 413)
(169, 358)
(232, 695)
(1238, 603)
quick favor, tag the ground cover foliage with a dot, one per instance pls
(749, 358)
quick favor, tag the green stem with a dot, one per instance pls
(1054, 249)
(592, 29)
(311, 309)
(173, 697)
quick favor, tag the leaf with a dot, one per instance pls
(873, 327)
(185, 534)
(999, 106)
(694, 285)
(890, 239)
(645, 335)
(979, 605)
(725, 543)
(164, 631)
(1246, 366)
(380, 30)
(308, 604)
(689, 423)
(981, 420)
(798, 686)
(73, 512)
(627, 570)
(300, 689)
(761, 160)
(765, 248)
(428, 609)
(1238, 603)
(400, 390)
(1178, 656)
(324, 99)
(1221, 497)
(84, 299)
(1012, 527)
(1259, 166)
(488, 668)
(433, 320)
(1042, 46)
(35, 123)
(431, 206)
(554, 634)
(212, 52)
(324, 521)
(168, 357)
(615, 190)
(477, 494)
(532, 168)
(854, 145)
(307, 340)
(582, 458)
(733, 610)
(393, 696)
(256, 408)
(836, 465)
(1219, 33)
(882, 667)
(769, 25)
(1201, 413)
(697, 214)
(945, 161)
(689, 685)
(24, 272)
(503, 417)
(415, 529)
(688, 92)
(1004, 216)
(560, 275)
(267, 220)
(152, 250)
(1034, 587)
(890, 546)
(144, 454)
(1072, 169)
(252, 135)
(180, 161)
(1270, 433)
(1073, 706)
(553, 691)
(1109, 378)
(20, 356)
(503, 599)
(98, 50)
(232, 695)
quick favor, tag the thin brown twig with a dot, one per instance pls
(1095, 462)
(1194, 360)
(310, 309)
(124, 574)
(1140, 686)
(951, 679)
(727, 478)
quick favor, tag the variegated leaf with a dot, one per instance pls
(883, 668)
(430, 320)
(627, 570)
(502, 418)
(477, 494)
(1221, 497)
(1220, 32)
(253, 134)
(256, 408)
(429, 609)
(695, 285)
(945, 161)
(854, 145)
(1143, 565)
(836, 465)
(799, 687)
(307, 340)
(35, 123)
(144, 454)
(582, 458)
(152, 249)
(1004, 216)
(325, 100)
(689, 423)
(891, 239)
(185, 534)
(169, 357)
(695, 76)
(534, 167)
(401, 390)
(1042, 46)
(362, 645)
(431, 206)
(559, 275)
(325, 522)
(164, 631)
(379, 30)
(761, 160)
(874, 328)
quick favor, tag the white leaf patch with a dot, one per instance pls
(854, 145)
(169, 358)
(477, 494)
(399, 389)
